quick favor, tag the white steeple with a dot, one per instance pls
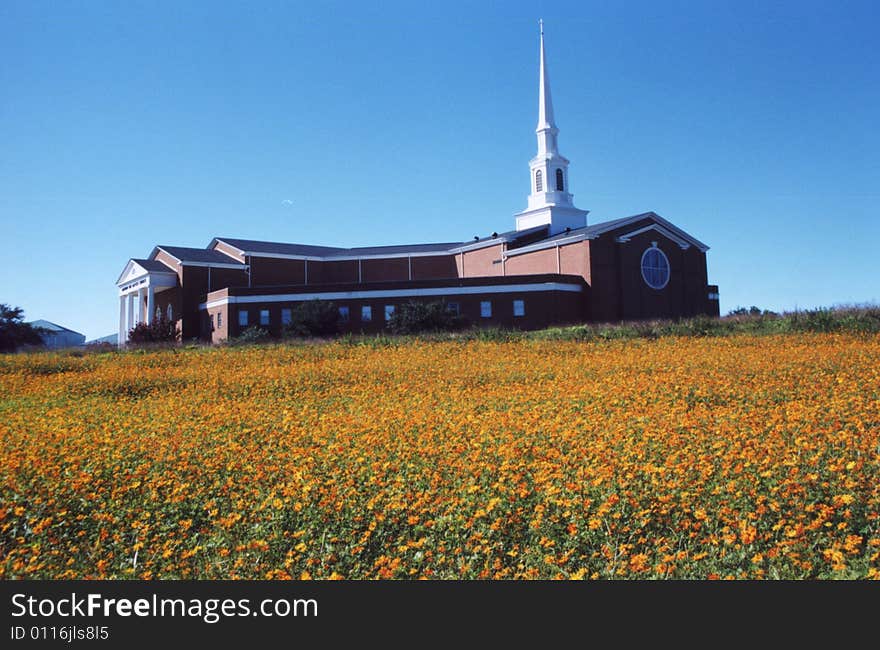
(546, 123)
(549, 201)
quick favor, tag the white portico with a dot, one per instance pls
(138, 285)
(549, 201)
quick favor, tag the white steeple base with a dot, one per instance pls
(558, 217)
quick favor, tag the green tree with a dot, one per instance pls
(14, 332)
(313, 318)
(414, 317)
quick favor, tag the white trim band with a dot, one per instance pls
(394, 293)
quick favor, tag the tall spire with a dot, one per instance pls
(549, 202)
(545, 102)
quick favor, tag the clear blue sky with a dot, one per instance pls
(753, 125)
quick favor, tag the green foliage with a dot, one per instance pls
(313, 318)
(751, 311)
(416, 317)
(860, 320)
(161, 330)
(14, 332)
(252, 334)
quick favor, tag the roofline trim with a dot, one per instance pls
(682, 243)
(614, 225)
(218, 265)
(212, 247)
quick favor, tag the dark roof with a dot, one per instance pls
(608, 225)
(279, 248)
(52, 327)
(512, 237)
(201, 255)
(152, 265)
(403, 248)
(589, 231)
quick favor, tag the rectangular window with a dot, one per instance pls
(486, 308)
(389, 312)
(286, 316)
(366, 313)
(519, 307)
(212, 322)
(453, 308)
(219, 319)
(242, 317)
(344, 314)
(264, 317)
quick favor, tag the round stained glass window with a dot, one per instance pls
(655, 268)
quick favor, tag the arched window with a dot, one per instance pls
(539, 181)
(560, 182)
(655, 267)
(158, 312)
(170, 313)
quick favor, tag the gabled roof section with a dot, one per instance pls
(154, 266)
(601, 228)
(135, 268)
(198, 256)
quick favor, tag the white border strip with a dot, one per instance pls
(394, 293)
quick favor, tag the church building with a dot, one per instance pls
(553, 268)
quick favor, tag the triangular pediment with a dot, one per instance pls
(135, 269)
(132, 271)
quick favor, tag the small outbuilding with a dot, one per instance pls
(57, 336)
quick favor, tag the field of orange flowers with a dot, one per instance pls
(743, 457)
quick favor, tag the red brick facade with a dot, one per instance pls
(604, 260)
(545, 300)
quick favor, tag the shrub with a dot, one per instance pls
(415, 317)
(313, 318)
(253, 334)
(161, 330)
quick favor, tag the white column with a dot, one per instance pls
(131, 322)
(151, 305)
(120, 338)
(140, 306)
